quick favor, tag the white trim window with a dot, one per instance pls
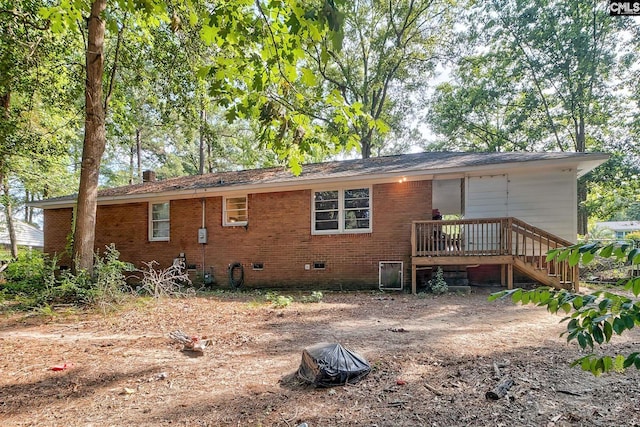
(235, 211)
(159, 221)
(346, 210)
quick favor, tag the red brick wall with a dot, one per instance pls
(278, 235)
(57, 228)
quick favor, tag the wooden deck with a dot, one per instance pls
(508, 242)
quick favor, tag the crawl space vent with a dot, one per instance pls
(390, 275)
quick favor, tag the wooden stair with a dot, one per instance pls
(537, 274)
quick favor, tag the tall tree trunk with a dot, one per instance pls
(26, 205)
(94, 142)
(365, 144)
(203, 118)
(581, 144)
(30, 209)
(132, 151)
(139, 154)
(5, 102)
(9, 216)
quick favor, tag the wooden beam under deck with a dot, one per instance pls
(462, 260)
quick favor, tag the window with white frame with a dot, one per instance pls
(342, 211)
(235, 212)
(159, 224)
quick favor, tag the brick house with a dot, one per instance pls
(342, 224)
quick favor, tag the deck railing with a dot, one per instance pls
(527, 244)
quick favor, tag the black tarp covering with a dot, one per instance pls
(330, 364)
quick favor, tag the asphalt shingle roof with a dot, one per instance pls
(429, 162)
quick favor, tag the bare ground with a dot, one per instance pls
(433, 361)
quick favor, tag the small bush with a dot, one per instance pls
(168, 282)
(279, 301)
(437, 283)
(110, 283)
(316, 296)
(30, 273)
(32, 283)
(633, 237)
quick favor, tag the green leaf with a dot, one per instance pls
(589, 340)
(587, 257)
(601, 318)
(582, 342)
(578, 302)
(630, 360)
(608, 331)
(636, 286)
(589, 247)
(572, 325)
(598, 336)
(563, 254)
(574, 259)
(516, 295)
(496, 295)
(324, 55)
(308, 77)
(597, 366)
(584, 362)
(629, 322)
(604, 304)
(209, 34)
(618, 325)
(618, 364)
(606, 251)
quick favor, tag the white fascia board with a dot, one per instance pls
(582, 167)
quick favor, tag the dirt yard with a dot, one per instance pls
(433, 361)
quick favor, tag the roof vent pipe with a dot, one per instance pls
(148, 176)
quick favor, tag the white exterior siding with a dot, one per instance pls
(487, 197)
(447, 195)
(546, 199)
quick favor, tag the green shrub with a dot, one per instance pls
(110, 282)
(279, 301)
(633, 237)
(437, 283)
(31, 273)
(316, 296)
(32, 283)
(70, 289)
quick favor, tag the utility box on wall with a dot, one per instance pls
(390, 275)
(202, 235)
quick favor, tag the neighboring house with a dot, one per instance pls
(620, 228)
(26, 234)
(345, 224)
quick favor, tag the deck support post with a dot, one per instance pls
(503, 275)
(509, 276)
(414, 269)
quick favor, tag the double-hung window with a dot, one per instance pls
(235, 212)
(345, 210)
(159, 224)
